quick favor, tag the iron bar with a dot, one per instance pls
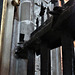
(68, 54)
(48, 13)
(42, 13)
(45, 60)
(37, 23)
(31, 63)
(62, 2)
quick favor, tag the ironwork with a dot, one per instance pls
(52, 34)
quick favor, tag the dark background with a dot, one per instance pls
(1, 5)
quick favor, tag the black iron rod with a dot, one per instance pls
(45, 61)
(62, 2)
(31, 63)
(68, 54)
(37, 23)
(48, 13)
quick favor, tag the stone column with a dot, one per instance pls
(24, 26)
